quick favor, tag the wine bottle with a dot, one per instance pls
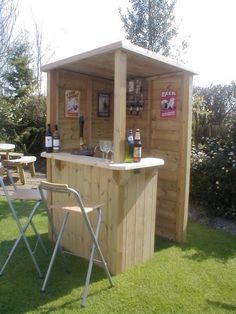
(56, 140)
(129, 147)
(48, 139)
(137, 146)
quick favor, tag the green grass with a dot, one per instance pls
(196, 277)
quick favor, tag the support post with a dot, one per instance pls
(120, 105)
(52, 103)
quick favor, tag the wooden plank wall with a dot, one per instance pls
(164, 138)
(95, 127)
(170, 139)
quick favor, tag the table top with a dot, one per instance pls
(7, 147)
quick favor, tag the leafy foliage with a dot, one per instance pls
(22, 114)
(22, 123)
(218, 99)
(213, 163)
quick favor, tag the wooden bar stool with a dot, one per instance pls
(20, 163)
(79, 207)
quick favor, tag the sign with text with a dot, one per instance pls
(168, 104)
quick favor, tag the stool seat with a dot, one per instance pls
(88, 207)
(19, 163)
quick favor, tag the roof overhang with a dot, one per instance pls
(100, 62)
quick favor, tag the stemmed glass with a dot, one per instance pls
(108, 147)
(102, 148)
(105, 147)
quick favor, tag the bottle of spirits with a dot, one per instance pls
(129, 147)
(137, 146)
(56, 140)
(48, 139)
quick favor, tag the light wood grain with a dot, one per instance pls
(119, 133)
(128, 215)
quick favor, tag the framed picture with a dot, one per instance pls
(72, 103)
(103, 105)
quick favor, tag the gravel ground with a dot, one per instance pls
(196, 213)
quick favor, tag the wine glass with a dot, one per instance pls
(107, 147)
(102, 148)
(112, 151)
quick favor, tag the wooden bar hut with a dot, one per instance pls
(162, 111)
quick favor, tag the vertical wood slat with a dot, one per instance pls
(130, 218)
(120, 105)
(185, 149)
(89, 106)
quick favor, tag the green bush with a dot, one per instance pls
(23, 123)
(213, 174)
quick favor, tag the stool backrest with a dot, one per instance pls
(54, 187)
(60, 188)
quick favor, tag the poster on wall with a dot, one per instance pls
(168, 104)
(72, 103)
(103, 105)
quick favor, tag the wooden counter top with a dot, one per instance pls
(99, 162)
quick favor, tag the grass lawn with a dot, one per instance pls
(196, 277)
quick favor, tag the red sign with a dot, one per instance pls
(168, 104)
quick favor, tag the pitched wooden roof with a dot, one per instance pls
(100, 62)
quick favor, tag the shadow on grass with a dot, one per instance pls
(22, 209)
(20, 285)
(221, 305)
(203, 243)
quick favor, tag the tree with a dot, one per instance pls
(151, 24)
(220, 100)
(19, 78)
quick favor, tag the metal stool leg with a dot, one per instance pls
(10, 254)
(56, 236)
(98, 248)
(55, 252)
(39, 240)
(85, 289)
(94, 246)
(22, 230)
